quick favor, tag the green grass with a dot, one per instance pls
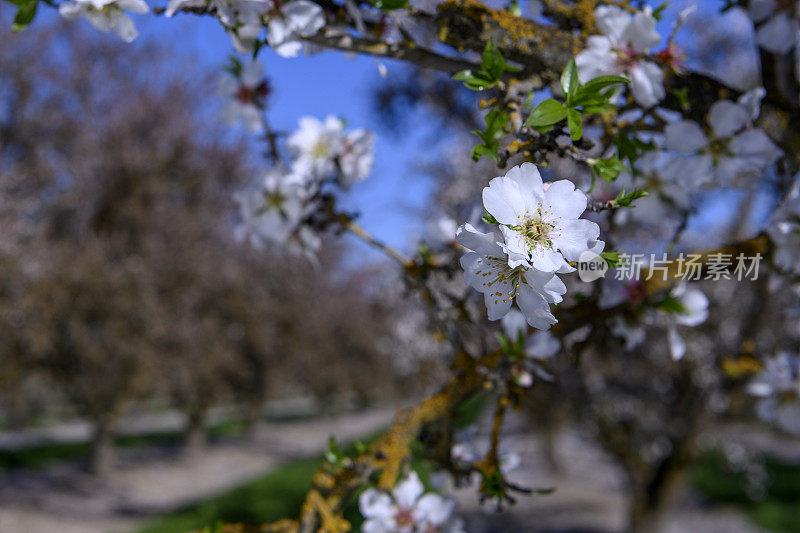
(39, 456)
(276, 495)
(778, 510)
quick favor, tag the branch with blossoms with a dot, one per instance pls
(611, 95)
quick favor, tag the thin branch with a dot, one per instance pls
(398, 50)
(392, 252)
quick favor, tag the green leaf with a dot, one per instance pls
(594, 86)
(612, 258)
(476, 81)
(682, 95)
(630, 147)
(671, 305)
(575, 123)
(624, 199)
(609, 169)
(24, 15)
(482, 150)
(569, 81)
(390, 5)
(492, 61)
(548, 112)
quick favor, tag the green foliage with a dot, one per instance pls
(612, 258)
(624, 199)
(591, 98)
(575, 124)
(779, 506)
(496, 121)
(546, 114)
(671, 305)
(26, 11)
(389, 5)
(493, 66)
(569, 82)
(630, 147)
(608, 169)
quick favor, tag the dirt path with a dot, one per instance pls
(62, 499)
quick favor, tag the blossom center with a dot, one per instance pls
(320, 150)
(537, 232)
(404, 517)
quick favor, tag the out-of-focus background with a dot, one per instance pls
(156, 375)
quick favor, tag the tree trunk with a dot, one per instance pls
(253, 412)
(102, 456)
(651, 501)
(195, 442)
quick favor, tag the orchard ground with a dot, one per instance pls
(265, 477)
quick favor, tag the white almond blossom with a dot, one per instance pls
(106, 15)
(784, 230)
(274, 212)
(540, 225)
(778, 386)
(322, 148)
(316, 144)
(779, 28)
(624, 49)
(731, 150)
(694, 311)
(407, 509)
(356, 157)
(486, 270)
(296, 19)
(246, 94)
(540, 232)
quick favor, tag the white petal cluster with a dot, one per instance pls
(778, 386)
(624, 49)
(539, 231)
(784, 230)
(729, 149)
(106, 15)
(408, 509)
(286, 23)
(246, 93)
(779, 27)
(280, 209)
(322, 148)
(275, 212)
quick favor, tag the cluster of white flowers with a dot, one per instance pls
(778, 386)
(784, 230)
(539, 232)
(286, 23)
(246, 90)
(106, 15)
(624, 49)
(322, 148)
(278, 209)
(408, 509)
(779, 29)
(730, 148)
